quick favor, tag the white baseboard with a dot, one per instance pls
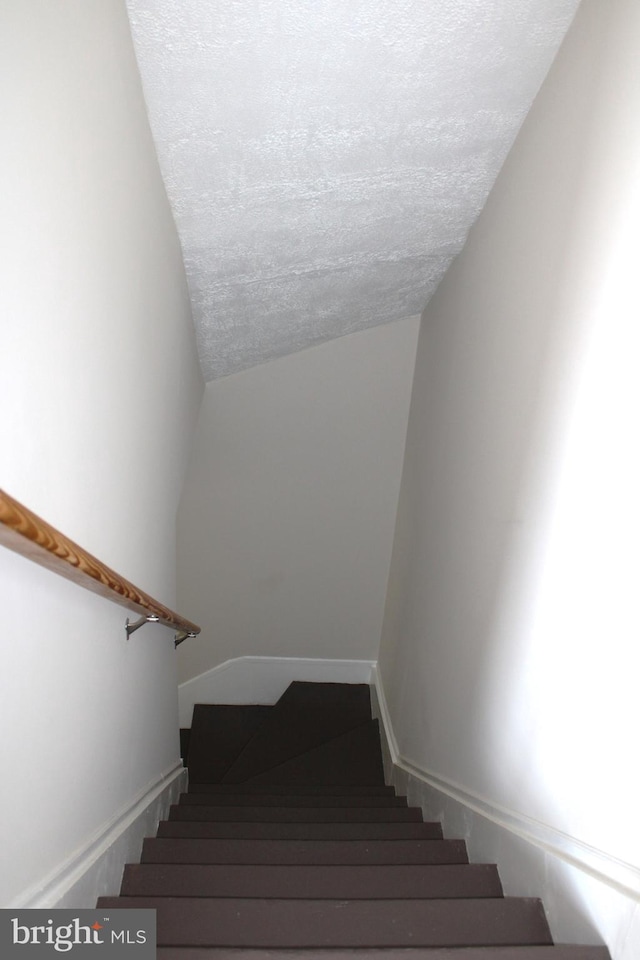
(534, 858)
(95, 869)
(264, 680)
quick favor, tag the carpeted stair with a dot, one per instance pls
(289, 844)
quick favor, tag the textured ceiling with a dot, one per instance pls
(325, 159)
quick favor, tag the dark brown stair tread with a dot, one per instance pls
(259, 814)
(352, 758)
(299, 831)
(303, 851)
(306, 715)
(312, 881)
(219, 732)
(302, 789)
(288, 800)
(558, 952)
(366, 923)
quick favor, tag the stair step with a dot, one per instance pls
(561, 952)
(219, 732)
(288, 800)
(196, 811)
(247, 851)
(299, 831)
(306, 715)
(311, 881)
(302, 789)
(352, 758)
(288, 845)
(186, 921)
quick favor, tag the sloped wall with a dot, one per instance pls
(286, 523)
(509, 657)
(99, 390)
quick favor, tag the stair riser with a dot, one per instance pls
(331, 923)
(304, 789)
(299, 831)
(304, 852)
(407, 953)
(304, 882)
(363, 777)
(290, 800)
(186, 811)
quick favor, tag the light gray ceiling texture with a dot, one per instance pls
(325, 159)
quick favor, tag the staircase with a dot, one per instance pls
(289, 844)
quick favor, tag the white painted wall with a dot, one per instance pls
(510, 651)
(99, 389)
(286, 523)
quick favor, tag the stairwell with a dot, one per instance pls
(289, 844)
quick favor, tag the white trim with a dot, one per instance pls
(622, 876)
(385, 716)
(263, 680)
(95, 869)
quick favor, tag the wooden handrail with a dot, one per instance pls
(25, 533)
